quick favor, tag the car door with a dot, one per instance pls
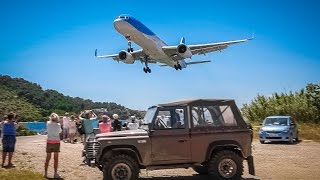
(170, 139)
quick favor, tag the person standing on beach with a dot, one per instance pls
(53, 144)
(72, 129)
(116, 125)
(9, 127)
(65, 127)
(105, 125)
(89, 122)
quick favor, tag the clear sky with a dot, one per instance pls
(52, 43)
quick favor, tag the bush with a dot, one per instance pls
(23, 131)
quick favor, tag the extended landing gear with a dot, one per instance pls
(146, 69)
(177, 67)
(130, 49)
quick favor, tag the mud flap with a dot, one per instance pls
(251, 165)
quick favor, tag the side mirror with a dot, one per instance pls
(292, 124)
(260, 124)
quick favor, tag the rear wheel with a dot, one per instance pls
(261, 141)
(121, 167)
(226, 165)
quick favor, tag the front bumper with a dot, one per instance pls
(274, 136)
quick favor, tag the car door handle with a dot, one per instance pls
(182, 140)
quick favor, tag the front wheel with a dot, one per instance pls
(226, 164)
(121, 167)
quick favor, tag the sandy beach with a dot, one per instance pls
(272, 161)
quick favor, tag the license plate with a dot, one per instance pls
(273, 134)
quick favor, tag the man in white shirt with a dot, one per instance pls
(133, 125)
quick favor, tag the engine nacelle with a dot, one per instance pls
(126, 57)
(184, 51)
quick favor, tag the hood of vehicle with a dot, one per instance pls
(126, 133)
(274, 128)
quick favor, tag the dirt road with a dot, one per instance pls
(272, 161)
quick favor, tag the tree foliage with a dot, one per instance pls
(303, 106)
(47, 101)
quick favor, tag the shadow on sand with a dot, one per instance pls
(194, 177)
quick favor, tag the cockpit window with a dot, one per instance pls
(123, 17)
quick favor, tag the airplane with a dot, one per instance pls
(154, 50)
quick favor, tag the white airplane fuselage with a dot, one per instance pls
(150, 43)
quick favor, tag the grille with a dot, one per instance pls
(274, 131)
(92, 149)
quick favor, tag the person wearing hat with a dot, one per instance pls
(116, 125)
(105, 125)
(133, 125)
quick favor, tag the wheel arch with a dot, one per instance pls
(217, 146)
(121, 149)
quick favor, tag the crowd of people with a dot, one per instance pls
(62, 128)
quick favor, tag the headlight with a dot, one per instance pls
(286, 130)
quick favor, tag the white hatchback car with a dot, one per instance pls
(278, 128)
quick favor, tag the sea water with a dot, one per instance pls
(35, 126)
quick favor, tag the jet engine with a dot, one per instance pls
(126, 57)
(184, 51)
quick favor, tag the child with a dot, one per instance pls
(53, 144)
(8, 139)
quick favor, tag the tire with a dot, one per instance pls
(226, 164)
(202, 170)
(121, 167)
(261, 141)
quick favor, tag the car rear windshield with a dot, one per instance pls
(276, 121)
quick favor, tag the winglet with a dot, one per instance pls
(96, 52)
(252, 37)
(182, 41)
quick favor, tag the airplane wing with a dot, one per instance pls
(201, 48)
(192, 62)
(137, 55)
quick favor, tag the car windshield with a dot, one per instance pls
(276, 121)
(148, 117)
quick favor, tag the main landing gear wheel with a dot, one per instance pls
(177, 67)
(147, 70)
(130, 49)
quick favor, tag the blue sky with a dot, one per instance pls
(52, 43)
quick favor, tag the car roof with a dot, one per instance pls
(198, 101)
(279, 117)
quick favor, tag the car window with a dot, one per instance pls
(212, 116)
(276, 121)
(170, 118)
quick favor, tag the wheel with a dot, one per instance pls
(226, 164)
(261, 141)
(291, 139)
(203, 170)
(145, 70)
(131, 49)
(148, 70)
(121, 167)
(179, 67)
(176, 67)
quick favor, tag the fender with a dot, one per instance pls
(224, 143)
(130, 150)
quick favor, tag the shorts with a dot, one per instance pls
(53, 147)
(8, 143)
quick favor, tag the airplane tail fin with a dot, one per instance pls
(182, 41)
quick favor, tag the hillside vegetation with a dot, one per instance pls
(31, 102)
